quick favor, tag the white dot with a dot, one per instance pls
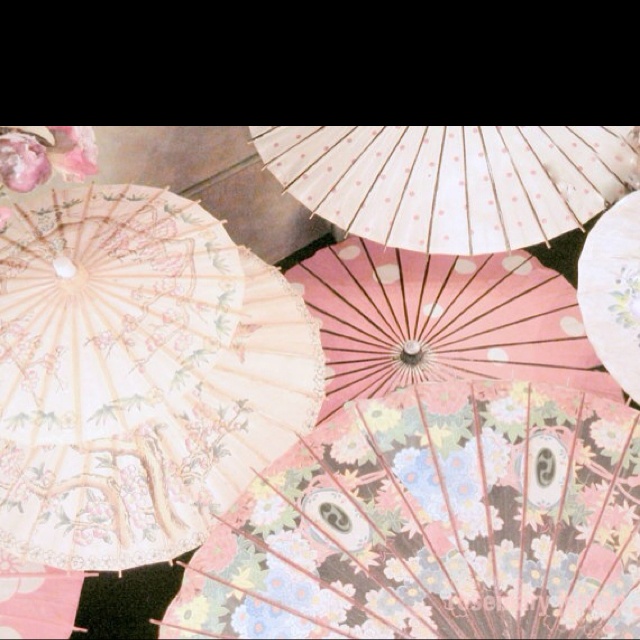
(465, 266)
(298, 287)
(388, 273)
(349, 253)
(572, 326)
(518, 264)
(433, 310)
(496, 354)
(9, 633)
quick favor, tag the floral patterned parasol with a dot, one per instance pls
(143, 375)
(484, 509)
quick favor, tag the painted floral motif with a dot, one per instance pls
(509, 526)
(626, 307)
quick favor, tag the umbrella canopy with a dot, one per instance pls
(37, 601)
(486, 509)
(452, 190)
(392, 317)
(123, 461)
(609, 291)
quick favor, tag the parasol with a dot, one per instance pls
(37, 601)
(136, 405)
(392, 317)
(452, 190)
(484, 509)
(609, 291)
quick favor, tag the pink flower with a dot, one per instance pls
(23, 162)
(75, 153)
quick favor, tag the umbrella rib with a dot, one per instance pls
(405, 186)
(382, 288)
(599, 157)
(465, 370)
(485, 493)
(597, 631)
(387, 544)
(447, 502)
(145, 203)
(430, 335)
(390, 336)
(264, 133)
(255, 540)
(592, 535)
(494, 190)
(347, 553)
(287, 185)
(493, 309)
(528, 364)
(402, 493)
(518, 175)
(404, 294)
(466, 188)
(382, 360)
(434, 192)
(423, 286)
(371, 372)
(538, 614)
(508, 344)
(379, 343)
(499, 327)
(263, 598)
(82, 225)
(525, 502)
(375, 178)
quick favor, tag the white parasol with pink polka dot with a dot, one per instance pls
(452, 190)
(390, 318)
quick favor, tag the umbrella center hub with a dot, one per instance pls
(411, 352)
(70, 277)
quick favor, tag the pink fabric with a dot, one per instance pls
(37, 601)
(493, 319)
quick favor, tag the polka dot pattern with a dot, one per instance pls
(452, 190)
(496, 316)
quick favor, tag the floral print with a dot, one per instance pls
(502, 531)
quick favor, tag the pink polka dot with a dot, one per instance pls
(432, 164)
(349, 140)
(421, 242)
(504, 150)
(481, 155)
(416, 217)
(305, 177)
(303, 155)
(509, 174)
(378, 154)
(456, 159)
(402, 147)
(514, 199)
(519, 223)
(567, 217)
(445, 237)
(367, 229)
(618, 158)
(358, 183)
(441, 212)
(387, 200)
(496, 227)
(586, 191)
(490, 202)
(326, 148)
(580, 167)
(538, 196)
(551, 145)
(407, 170)
(278, 164)
(596, 144)
(544, 221)
(425, 141)
(593, 158)
(574, 144)
(276, 144)
(486, 178)
(475, 129)
(499, 128)
(383, 176)
(298, 136)
(412, 193)
(374, 132)
(329, 168)
(461, 183)
(533, 172)
(451, 135)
